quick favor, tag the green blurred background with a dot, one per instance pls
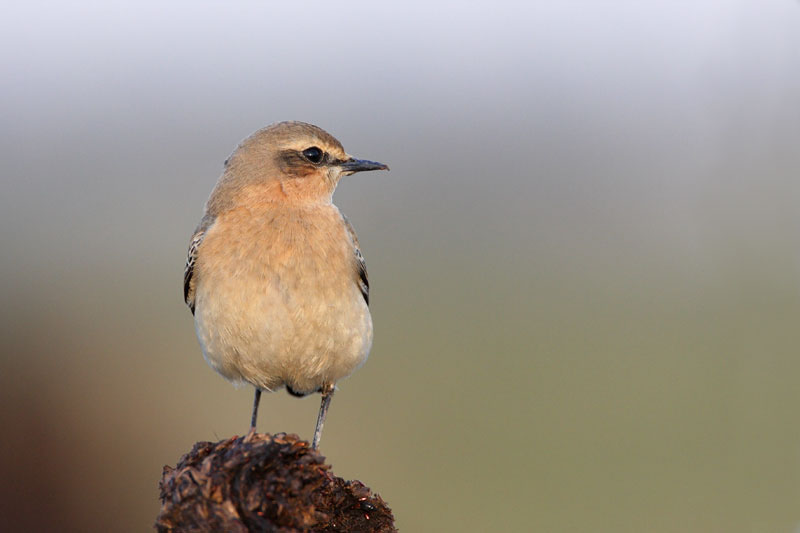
(585, 262)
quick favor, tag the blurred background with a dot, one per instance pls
(585, 262)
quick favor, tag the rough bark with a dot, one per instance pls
(264, 483)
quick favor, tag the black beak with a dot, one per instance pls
(359, 165)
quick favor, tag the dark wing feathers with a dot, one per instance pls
(363, 279)
(191, 258)
(361, 265)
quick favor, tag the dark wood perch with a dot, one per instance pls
(264, 483)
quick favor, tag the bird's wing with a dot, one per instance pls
(361, 265)
(189, 280)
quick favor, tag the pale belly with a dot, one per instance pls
(271, 315)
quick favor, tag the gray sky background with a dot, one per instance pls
(680, 116)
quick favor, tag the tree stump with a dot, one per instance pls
(264, 482)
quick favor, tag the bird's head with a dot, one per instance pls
(291, 161)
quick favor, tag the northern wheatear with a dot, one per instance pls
(275, 277)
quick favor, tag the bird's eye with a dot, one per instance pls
(313, 154)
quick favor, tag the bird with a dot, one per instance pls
(274, 276)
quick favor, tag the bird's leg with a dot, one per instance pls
(327, 394)
(255, 411)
